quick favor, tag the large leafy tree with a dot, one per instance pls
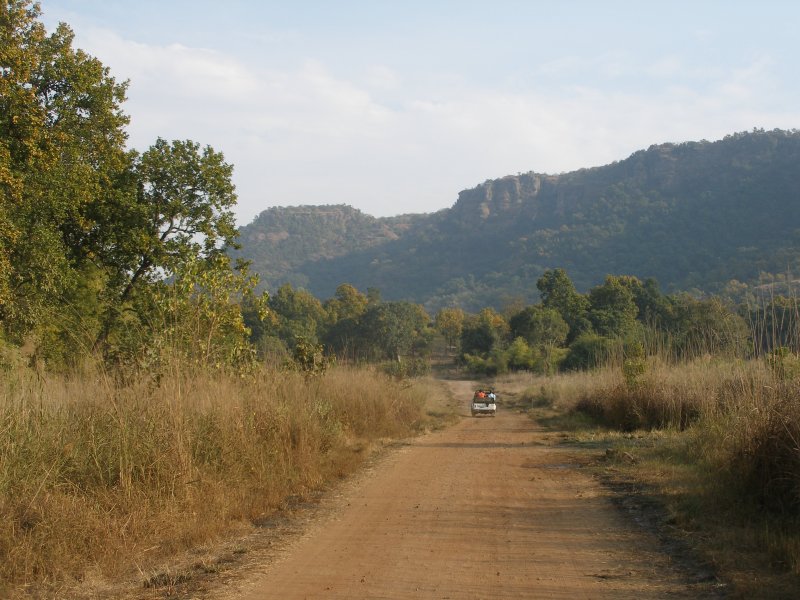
(347, 303)
(198, 318)
(481, 333)
(391, 329)
(61, 155)
(654, 309)
(539, 326)
(450, 322)
(180, 211)
(90, 231)
(299, 315)
(343, 313)
(707, 326)
(558, 292)
(613, 308)
(21, 124)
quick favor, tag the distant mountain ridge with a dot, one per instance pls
(694, 215)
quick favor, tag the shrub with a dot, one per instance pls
(520, 356)
(408, 367)
(589, 351)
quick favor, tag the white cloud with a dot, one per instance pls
(176, 69)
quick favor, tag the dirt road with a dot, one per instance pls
(488, 508)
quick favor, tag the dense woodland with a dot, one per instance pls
(125, 256)
(705, 217)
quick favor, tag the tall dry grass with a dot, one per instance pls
(97, 477)
(664, 395)
(739, 426)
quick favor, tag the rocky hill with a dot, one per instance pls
(693, 215)
(281, 241)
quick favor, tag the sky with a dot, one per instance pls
(394, 107)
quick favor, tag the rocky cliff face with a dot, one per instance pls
(691, 215)
(499, 198)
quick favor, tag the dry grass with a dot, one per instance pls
(662, 396)
(719, 440)
(102, 478)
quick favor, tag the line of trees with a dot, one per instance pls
(622, 317)
(352, 326)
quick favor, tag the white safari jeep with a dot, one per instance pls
(484, 402)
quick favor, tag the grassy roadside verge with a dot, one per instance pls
(711, 444)
(100, 480)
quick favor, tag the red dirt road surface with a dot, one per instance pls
(488, 508)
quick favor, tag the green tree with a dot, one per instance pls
(61, 157)
(309, 357)
(708, 327)
(347, 303)
(299, 315)
(343, 338)
(197, 318)
(588, 351)
(483, 332)
(391, 329)
(558, 292)
(180, 213)
(91, 235)
(258, 318)
(539, 326)
(449, 323)
(343, 312)
(21, 131)
(544, 330)
(612, 309)
(520, 355)
(653, 308)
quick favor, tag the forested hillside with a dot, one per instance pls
(281, 240)
(695, 216)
